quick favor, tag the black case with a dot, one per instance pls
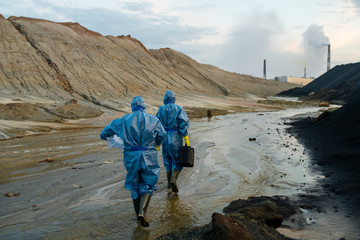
(186, 156)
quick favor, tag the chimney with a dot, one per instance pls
(328, 58)
(304, 72)
(264, 68)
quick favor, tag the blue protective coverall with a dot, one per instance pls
(141, 132)
(176, 122)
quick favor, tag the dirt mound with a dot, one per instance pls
(334, 140)
(340, 84)
(60, 61)
(27, 111)
(211, 80)
(334, 137)
(41, 113)
(75, 111)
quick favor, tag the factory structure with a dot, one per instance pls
(328, 59)
(299, 80)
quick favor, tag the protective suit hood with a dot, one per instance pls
(138, 103)
(169, 97)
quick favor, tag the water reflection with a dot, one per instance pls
(176, 211)
(141, 233)
(209, 115)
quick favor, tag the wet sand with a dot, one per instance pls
(196, 106)
(81, 194)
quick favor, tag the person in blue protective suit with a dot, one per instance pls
(176, 123)
(142, 135)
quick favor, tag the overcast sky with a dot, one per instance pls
(235, 35)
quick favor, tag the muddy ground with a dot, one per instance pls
(31, 210)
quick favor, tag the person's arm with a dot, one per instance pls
(186, 139)
(107, 132)
(161, 134)
(183, 121)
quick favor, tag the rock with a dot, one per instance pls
(47, 160)
(194, 233)
(324, 104)
(264, 214)
(255, 218)
(11, 194)
(268, 210)
(229, 228)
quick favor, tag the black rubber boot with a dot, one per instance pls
(136, 205)
(174, 177)
(144, 203)
(168, 174)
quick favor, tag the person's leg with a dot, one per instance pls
(144, 203)
(167, 160)
(176, 170)
(168, 175)
(132, 180)
(174, 177)
(135, 195)
(176, 167)
(136, 203)
(148, 177)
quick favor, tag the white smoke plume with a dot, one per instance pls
(315, 44)
(314, 37)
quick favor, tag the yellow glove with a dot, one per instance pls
(158, 147)
(187, 143)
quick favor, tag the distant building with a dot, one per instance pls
(297, 80)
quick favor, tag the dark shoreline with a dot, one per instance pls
(338, 160)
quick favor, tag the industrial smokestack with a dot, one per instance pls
(304, 72)
(328, 58)
(264, 68)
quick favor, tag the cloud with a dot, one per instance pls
(261, 37)
(251, 42)
(139, 7)
(154, 30)
(34, 9)
(356, 5)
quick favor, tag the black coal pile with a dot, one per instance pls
(340, 85)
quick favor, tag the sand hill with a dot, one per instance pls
(54, 71)
(61, 61)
